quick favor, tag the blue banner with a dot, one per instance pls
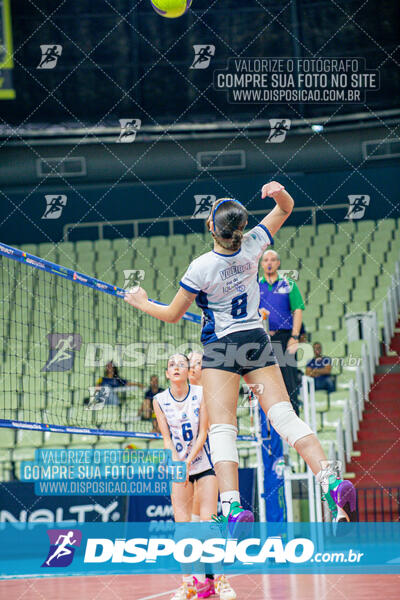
(37, 549)
(274, 487)
(19, 504)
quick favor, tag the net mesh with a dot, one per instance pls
(57, 337)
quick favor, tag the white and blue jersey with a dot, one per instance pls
(183, 418)
(227, 286)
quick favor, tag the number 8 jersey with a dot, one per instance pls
(183, 418)
(227, 286)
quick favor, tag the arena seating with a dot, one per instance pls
(343, 268)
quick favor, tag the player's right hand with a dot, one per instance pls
(271, 188)
(137, 299)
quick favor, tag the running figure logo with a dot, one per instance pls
(54, 206)
(62, 351)
(133, 277)
(62, 547)
(203, 206)
(279, 129)
(202, 56)
(357, 206)
(129, 129)
(286, 284)
(50, 56)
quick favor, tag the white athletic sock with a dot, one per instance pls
(195, 518)
(188, 579)
(227, 498)
(341, 513)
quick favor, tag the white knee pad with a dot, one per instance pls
(223, 443)
(285, 421)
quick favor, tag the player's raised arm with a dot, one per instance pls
(284, 206)
(170, 313)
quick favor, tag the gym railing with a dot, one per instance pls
(348, 426)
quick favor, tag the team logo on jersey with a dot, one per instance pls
(203, 54)
(62, 547)
(279, 129)
(203, 205)
(54, 206)
(196, 412)
(357, 206)
(129, 129)
(62, 351)
(50, 55)
(234, 270)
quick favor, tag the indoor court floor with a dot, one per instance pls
(248, 587)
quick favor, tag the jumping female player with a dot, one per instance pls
(183, 422)
(224, 283)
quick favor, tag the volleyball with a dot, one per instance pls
(171, 9)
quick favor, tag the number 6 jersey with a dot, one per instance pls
(227, 286)
(183, 418)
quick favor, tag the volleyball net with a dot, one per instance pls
(78, 359)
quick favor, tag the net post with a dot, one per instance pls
(260, 467)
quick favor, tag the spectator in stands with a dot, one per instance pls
(320, 368)
(281, 301)
(146, 410)
(112, 379)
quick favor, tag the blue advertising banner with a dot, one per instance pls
(19, 504)
(39, 549)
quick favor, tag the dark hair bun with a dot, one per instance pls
(230, 219)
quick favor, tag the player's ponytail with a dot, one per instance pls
(229, 218)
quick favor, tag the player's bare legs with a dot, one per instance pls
(340, 495)
(221, 391)
(182, 501)
(207, 491)
(274, 391)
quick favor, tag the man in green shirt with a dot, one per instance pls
(282, 300)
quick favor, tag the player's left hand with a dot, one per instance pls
(138, 298)
(292, 346)
(271, 188)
